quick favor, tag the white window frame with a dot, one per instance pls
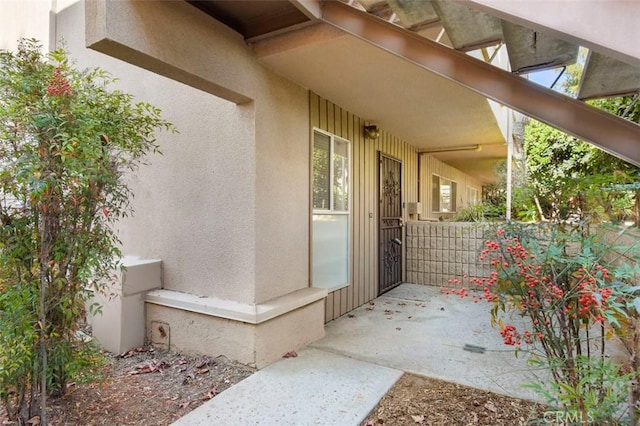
(454, 204)
(330, 210)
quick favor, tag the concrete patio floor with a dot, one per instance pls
(419, 329)
(339, 379)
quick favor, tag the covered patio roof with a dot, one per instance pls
(363, 56)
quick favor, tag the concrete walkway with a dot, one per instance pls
(341, 378)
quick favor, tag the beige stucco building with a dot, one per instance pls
(273, 211)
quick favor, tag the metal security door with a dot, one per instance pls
(390, 225)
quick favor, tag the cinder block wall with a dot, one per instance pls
(438, 252)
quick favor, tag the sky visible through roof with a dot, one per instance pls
(547, 77)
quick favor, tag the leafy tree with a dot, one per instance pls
(66, 140)
(570, 177)
(494, 195)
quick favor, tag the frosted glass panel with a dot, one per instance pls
(330, 250)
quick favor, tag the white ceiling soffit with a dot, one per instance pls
(411, 103)
(604, 76)
(531, 50)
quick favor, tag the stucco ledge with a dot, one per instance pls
(244, 312)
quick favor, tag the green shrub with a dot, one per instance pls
(66, 140)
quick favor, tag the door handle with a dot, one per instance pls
(397, 241)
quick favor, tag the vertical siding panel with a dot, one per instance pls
(405, 197)
(347, 128)
(341, 301)
(397, 149)
(314, 109)
(340, 128)
(357, 198)
(368, 146)
(357, 213)
(313, 114)
(330, 127)
(322, 114)
(371, 288)
(330, 118)
(392, 145)
(328, 308)
(336, 304)
(424, 197)
(355, 208)
(369, 232)
(375, 194)
(363, 228)
(337, 121)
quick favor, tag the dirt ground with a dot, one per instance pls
(149, 386)
(417, 400)
(145, 386)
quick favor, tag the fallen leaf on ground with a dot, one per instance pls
(132, 352)
(203, 371)
(189, 379)
(149, 367)
(290, 354)
(490, 406)
(213, 392)
(418, 419)
(205, 363)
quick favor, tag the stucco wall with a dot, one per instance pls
(24, 19)
(226, 206)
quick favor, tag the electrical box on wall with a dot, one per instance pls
(414, 208)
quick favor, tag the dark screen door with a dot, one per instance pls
(390, 225)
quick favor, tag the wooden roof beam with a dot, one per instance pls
(607, 131)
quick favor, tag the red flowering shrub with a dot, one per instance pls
(565, 282)
(58, 85)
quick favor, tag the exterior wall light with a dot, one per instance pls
(372, 132)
